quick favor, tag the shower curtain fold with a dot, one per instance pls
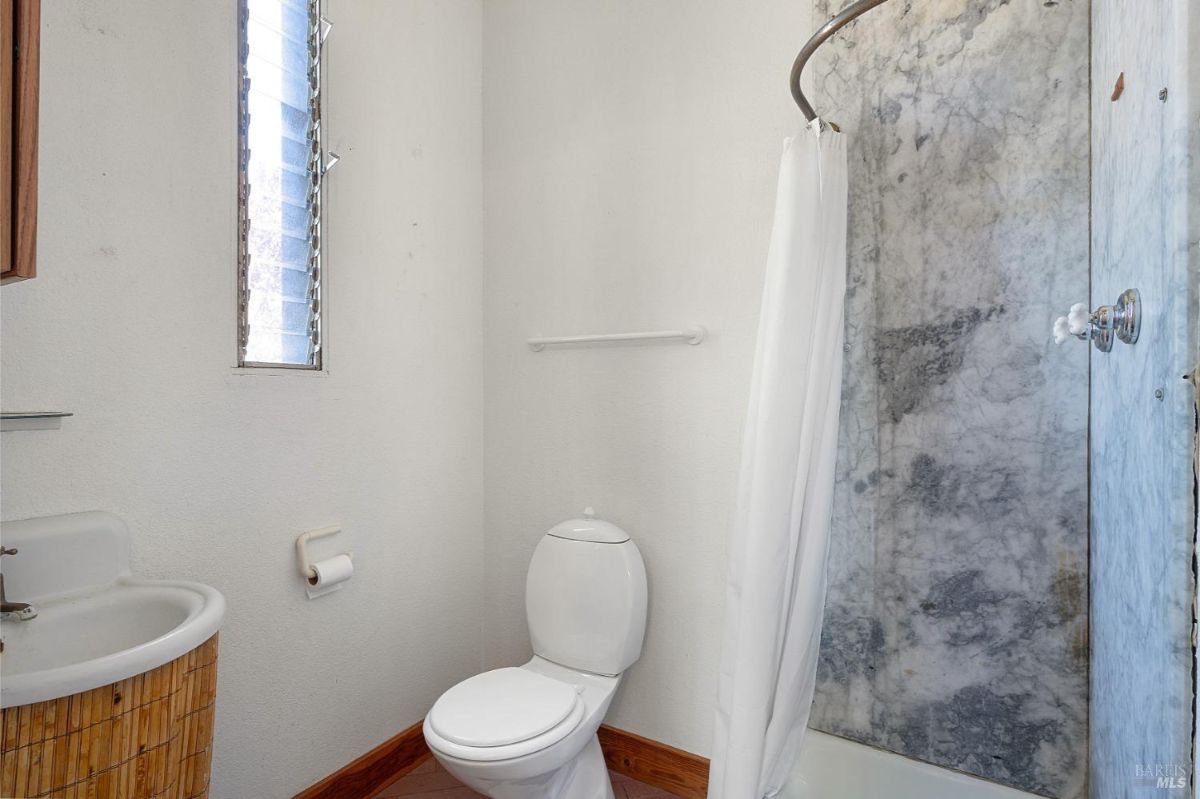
(778, 548)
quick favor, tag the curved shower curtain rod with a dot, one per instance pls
(844, 18)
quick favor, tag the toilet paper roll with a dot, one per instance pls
(332, 573)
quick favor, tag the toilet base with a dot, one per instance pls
(583, 777)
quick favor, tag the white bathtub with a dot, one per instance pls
(834, 768)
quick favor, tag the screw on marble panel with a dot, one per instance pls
(845, 348)
(1159, 394)
(1162, 95)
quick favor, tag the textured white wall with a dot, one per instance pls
(130, 325)
(631, 156)
(631, 150)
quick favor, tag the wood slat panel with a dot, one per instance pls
(123, 740)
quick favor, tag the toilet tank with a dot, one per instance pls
(585, 597)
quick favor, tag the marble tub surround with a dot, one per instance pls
(956, 618)
(1144, 205)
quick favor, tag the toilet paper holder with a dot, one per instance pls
(306, 569)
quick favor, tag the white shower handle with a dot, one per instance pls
(1062, 330)
(1078, 319)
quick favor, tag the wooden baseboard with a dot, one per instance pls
(375, 770)
(654, 763)
(651, 762)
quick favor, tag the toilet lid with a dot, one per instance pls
(502, 707)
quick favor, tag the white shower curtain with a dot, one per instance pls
(777, 553)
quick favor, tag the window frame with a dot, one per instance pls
(20, 33)
(318, 29)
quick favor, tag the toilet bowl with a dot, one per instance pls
(529, 732)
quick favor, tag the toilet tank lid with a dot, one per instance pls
(589, 528)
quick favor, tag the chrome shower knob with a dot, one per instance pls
(1102, 326)
(1121, 321)
(1127, 315)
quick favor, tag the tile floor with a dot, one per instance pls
(430, 781)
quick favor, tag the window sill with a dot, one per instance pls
(276, 371)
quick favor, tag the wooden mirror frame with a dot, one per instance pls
(20, 22)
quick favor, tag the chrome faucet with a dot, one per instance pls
(14, 611)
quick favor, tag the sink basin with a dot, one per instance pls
(96, 624)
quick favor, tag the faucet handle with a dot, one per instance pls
(1079, 319)
(1062, 330)
(8, 551)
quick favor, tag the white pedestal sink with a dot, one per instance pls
(96, 624)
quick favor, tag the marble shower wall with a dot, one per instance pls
(1145, 194)
(956, 619)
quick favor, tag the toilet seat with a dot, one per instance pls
(503, 714)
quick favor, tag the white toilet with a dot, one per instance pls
(530, 732)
